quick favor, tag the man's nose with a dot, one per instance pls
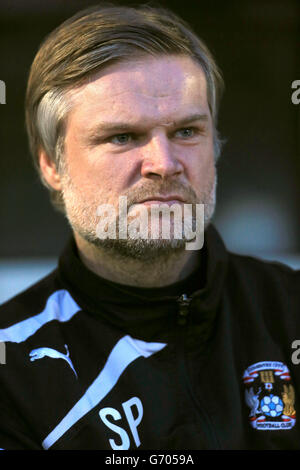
(159, 158)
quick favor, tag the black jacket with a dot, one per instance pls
(206, 363)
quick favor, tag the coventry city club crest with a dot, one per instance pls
(270, 396)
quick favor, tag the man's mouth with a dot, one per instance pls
(169, 200)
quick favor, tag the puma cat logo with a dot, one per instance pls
(39, 353)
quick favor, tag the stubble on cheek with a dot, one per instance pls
(80, 205)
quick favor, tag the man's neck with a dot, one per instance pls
(159, 272)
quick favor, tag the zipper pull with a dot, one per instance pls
(184, 303)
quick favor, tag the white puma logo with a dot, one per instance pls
(42, 352)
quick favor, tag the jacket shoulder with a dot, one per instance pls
(30, 301)
(256, 266)
(264, 279)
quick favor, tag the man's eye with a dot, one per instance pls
(186, 132)
(120, 139)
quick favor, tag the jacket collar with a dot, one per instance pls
(132, 307)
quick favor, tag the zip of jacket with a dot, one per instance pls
(184, 305)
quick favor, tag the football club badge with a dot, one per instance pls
(270, 396)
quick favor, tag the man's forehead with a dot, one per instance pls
(145, 80)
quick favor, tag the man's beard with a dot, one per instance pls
(82, 216)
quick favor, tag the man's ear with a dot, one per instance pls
(48, 170)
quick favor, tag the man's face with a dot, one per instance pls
(140, 129)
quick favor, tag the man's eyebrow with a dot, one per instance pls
(191, 118)
(102, 127)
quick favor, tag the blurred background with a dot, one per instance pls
(256, 44)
